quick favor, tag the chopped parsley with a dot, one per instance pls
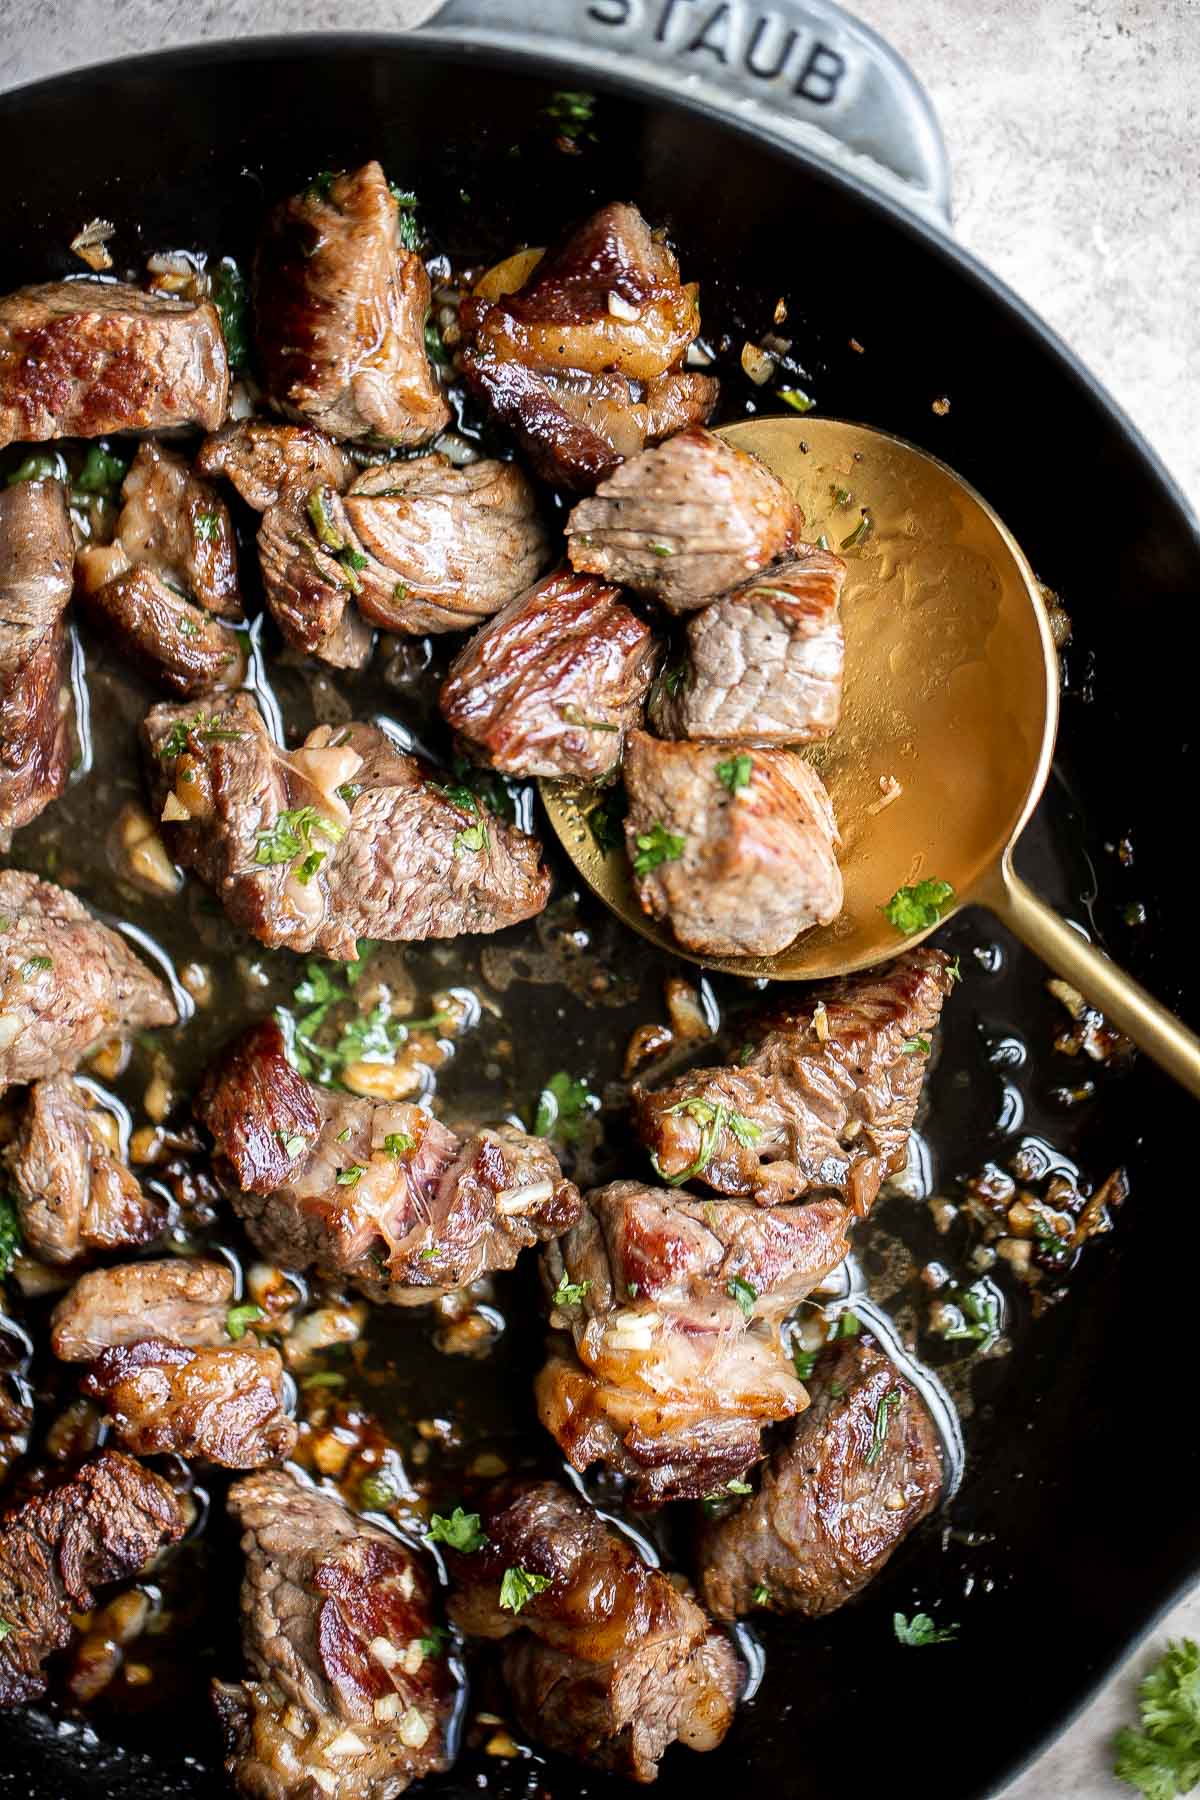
(176, 740)
(738, 1487)
(102, 473)
(6, 1629)
(435, 1643)
(10, 1234)
(43, 465)
(518, 1587)
(804, 1362)
(293, 1146)
(916, 908)
(605, 820)
(238, 1317)
(672, 677)
(377, 1491)
(745, 1293)
(472, 837)
(289, 839)
(844, 1326)
(570, 111)
(232, 303)
(408, 230)
(207, 526)
(398, 1143)
(979, 1321)
(35, 965)
(570, 1293)
(954, 971)
(920, 1629)
(915, 1046)
(658, 548)
(1163, 1758)
(713, 1119)
(883, 1415)
(366, 1037)
(352, 1176)
(797, 399)
(658, 845)
(735, 773)
(563, 1107)
(459, 1532)
(761, 1594)
(343, 1137)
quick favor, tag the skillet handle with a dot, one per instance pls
(800, 71)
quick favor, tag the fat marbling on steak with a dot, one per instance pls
(825, 1098)
(583, 361)
(36, 557)
(75, 1196)
(381, 1194)
(345, 838)
(764, 663)
(608, 1661)
(674, 1366)
(107, 1522)
(66, 981)
(340, 311)
(85, 358)
(554, 682)
(345, 1696)
(849, 1481)
(737, 851)
(684, 522)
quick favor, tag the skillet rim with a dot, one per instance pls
(173, 64)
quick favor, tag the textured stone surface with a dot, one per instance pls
(1074, 132)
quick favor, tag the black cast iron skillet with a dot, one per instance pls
(1083, 1455)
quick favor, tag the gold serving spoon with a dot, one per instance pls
(947, 729)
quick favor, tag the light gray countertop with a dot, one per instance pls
(1074, 135)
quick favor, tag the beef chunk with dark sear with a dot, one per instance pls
(606, 1659)
(310, 572)
(674, 1367)
(583, 360)
(265, 460)
(105, 1524)
(345, 838)
(152, 623)
(850, 1480)
(176, 522)
(222, 1406)
(684, 522)
(444, 546)
(36, 556)
(66, 981)
(551, 685)
(379, 1193)
(74, 1196)
(738, 852)
(345, 1696)
(340, 311)
(764, 663)
(824, 1100)
(181, 1300)
(85, 358)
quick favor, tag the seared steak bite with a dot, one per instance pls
(222, 1406)
(74, 1196)
(85, 358)
(606, 1659)
(340, 312)
(684, 522)
(674, 1366)
(104, 1524)
(583, 361)
(737, 851)
(178, 524)
(851, 1479)
(160, 632)
(345, 838)
(764, 662)
(310, 578)
(825, 1099)
(181, 1300)
(551, 685)
(342, 1700)
(66, 981)
(266, 460)
(36, 554)
(380, 1193)
(445, 546)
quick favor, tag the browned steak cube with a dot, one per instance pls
(265, 460)
(36, 556)
(182, 1300)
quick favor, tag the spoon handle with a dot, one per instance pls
(1119, 997)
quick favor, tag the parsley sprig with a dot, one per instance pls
(1163, 1758)
(920, 1629)
(916, 908)
(563, 1107)
(713, 1118)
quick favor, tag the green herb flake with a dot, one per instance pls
(6, 1629)
(570, 111)
(735, 773)
(352, 1176)
(316, 506)
(671, 678)
(574, 716)
(846, 1325)
(605, 821)
(563, 1107)
(915, 1046)
(458, 1532)
(918, 907)
(658, 548)
(407, 227)
(231, 300)
(327, 1378)
(804, 1362)
(518, 1587)
(343, 1137)
(207, 526)
(658, 845)
(43, 465)
(435, 348)
(377, 1491)
(289, 839)
(293, 1146)
(797, 399)
(35, 965)
(1162, 1759)
(761, 1595)
(920, 1630)
(102, 473)
(398, 1143)
(979, 1318)
(954, 971)
(744, 1293)
(738, 1487)
(879, 1433)
(713, 1120)
(570, 1293)
(238, 1317)
(434, 1644)
(10, 1234)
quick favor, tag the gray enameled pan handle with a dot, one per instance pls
(802, 70)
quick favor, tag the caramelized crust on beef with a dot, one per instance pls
(36, 555)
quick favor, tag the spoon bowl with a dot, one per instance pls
(948, 724)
